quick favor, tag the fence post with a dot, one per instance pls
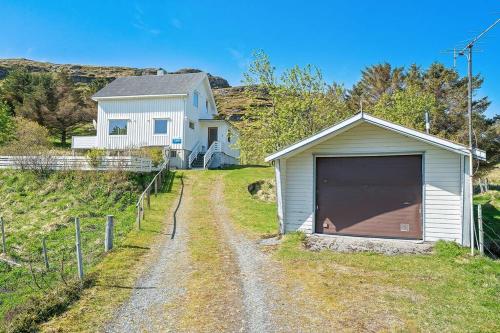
(480, 224)
(78, 249)
(142, 208)
(138, 219)
(44, 252)
(4, 247)
(156, 186)
(149, 198)
(108, 237)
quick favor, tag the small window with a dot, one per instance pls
(118, 126)
(191, 125)
(173, 153)
(195, 99)
(161, 126)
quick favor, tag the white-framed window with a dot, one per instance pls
(196, 97)
(160, 126)
(173, 153)
(118, 126)
(191, 125)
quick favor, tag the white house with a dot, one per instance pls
(165, 110)
(370, 177)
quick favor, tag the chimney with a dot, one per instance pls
(160, 72)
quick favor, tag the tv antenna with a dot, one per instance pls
(467, 52)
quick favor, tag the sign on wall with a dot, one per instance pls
(176, 141)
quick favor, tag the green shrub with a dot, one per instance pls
(94, 157)
(154, 153)
(38, 309)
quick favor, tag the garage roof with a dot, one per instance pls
(363, 117)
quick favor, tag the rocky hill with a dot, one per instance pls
(232, 102)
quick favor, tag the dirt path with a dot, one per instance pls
(162, 283)
(211, 277)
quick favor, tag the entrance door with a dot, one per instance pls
(212, 135)
(378, 196)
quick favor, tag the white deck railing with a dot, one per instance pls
(194, 153)
(214, 148)
(125, 163)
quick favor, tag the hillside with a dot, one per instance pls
(232, 102)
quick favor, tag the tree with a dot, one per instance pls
(301, 103)
(15, 87)
(56, 103)
(7, 126)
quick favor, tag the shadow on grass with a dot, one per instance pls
(136, 247)
(246, 166)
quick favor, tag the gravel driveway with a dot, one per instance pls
(270, 303)
(161, 284)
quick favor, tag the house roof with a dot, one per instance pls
(363, 117)
(151, 85)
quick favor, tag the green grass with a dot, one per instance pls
(36, 207)
(490, 204)
(445, 291)
(252, 215)
(117, 273)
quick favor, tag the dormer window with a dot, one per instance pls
(196, 96)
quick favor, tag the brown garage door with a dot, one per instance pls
(378, 196)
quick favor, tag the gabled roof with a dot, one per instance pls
(363, 117)
(151, 85)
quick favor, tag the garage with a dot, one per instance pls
(386, 192)
(370, 178)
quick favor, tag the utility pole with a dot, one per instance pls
(467, 51)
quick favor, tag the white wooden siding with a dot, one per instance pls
(442, 177)
(141, 113)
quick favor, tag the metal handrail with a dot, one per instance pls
(215, 147)
(147, 192)
(194, 153)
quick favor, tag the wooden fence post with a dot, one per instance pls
(78, 249)
(142, 209)
(149, 198)
(44, 252)
(156, 186)
(108, 237)
(480, 224)
(4, 247)
(138, 219)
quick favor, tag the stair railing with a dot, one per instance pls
(194, 153)
(214, 148)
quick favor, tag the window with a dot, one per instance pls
(173, 153)
(195, 99)
(118, 126)
(191, 125)
(160, 126)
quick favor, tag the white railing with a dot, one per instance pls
(214, 148)
(83, 142)
(194, 153)
(47, 162)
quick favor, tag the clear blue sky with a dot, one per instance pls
(340, 37)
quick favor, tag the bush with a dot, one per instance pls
(38, 309)
(154, 153)
(94, 157)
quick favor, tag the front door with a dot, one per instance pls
(212, 135)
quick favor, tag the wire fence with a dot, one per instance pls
(60, 255)
(486, 235)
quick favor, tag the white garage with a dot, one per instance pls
(369, 177)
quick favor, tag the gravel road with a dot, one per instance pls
(161, 284)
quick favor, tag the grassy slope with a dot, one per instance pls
(444, 291)
(34, 207)
(118, 271)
